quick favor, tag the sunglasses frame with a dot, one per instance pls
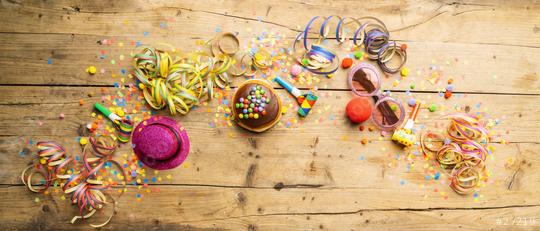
(376, 95)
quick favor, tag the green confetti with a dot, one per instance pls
(358, 54)
(432, 108)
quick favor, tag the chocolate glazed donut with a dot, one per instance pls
(272, 107)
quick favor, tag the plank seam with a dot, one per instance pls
(277, 88)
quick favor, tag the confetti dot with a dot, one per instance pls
(405, 72)
(432, 108)
(91, 70)
(83, 141)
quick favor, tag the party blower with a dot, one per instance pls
(125, 126)
(306, 101)
(405, 135)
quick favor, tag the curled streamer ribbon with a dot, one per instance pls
(367, 31)
(462, 154)
(125, 127)
(320, 60)
(180, 81)
(82, 184)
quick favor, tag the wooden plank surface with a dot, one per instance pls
(320, 177)
(471, 66)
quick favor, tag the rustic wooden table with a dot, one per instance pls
(316, 176)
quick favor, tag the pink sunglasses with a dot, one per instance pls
(365, 81)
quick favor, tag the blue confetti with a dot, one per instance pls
(218, 29)
(154, 179)
(402, 182)
(123, 71)
(49, 61)
(361, 157)
(146, 33)
(437, 176)
(428, 177)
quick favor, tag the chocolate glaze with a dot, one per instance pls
(272, 108)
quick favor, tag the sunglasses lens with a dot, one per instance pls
(365, 82)
(388, 114)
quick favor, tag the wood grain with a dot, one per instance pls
(254, 160)
(203, 208)
(313, 175)
(474, 68)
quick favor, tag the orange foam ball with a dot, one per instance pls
(403, 47)
(447, 94)
(346, 63)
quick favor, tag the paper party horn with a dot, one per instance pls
(405, 135)
(306, 101)
(125, 126)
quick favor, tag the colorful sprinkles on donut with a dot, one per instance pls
(253, 106)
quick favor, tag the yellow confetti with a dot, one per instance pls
(83, 141)
(120, 112)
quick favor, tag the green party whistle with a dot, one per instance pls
(125, 126)
(106, 112)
